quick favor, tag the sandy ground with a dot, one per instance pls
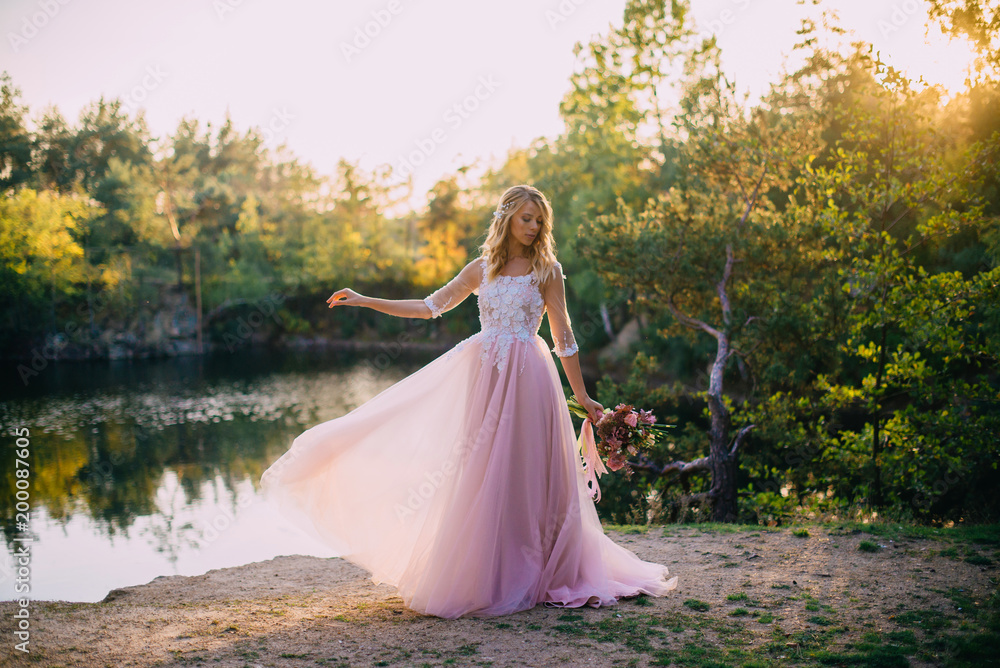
(306, 611)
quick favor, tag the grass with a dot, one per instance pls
(670, 638)
(914, 632)
(753, 621)
(628, 528)
(868, 546)
(988, 534)
(695, 604)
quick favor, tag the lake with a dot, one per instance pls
(146, 468)
(149, 468)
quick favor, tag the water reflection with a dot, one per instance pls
(153, 469)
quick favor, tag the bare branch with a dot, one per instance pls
(693, 323)
(753, 199)
(744, 355)
(909, 208)
(739, 438)
(679, 467)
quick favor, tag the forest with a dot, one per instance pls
(812, 278)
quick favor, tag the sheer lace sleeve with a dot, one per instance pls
(456, 290)
(559, 323)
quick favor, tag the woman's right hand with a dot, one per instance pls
(594, 409)
(345, 297)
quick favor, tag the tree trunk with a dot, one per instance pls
(180, 268)
(722, 462)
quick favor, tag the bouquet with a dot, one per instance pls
(623, 431)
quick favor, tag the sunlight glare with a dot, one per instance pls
(938, 59)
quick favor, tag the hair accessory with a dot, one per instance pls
(502, 210)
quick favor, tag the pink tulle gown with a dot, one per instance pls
(462, 485)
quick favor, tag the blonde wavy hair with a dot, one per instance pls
(541, 252)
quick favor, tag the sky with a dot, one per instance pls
(425, 86)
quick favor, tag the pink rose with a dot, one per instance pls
(632, 419)
(615, 462)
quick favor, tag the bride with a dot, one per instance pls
(461, 484)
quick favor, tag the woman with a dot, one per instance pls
(461, 484)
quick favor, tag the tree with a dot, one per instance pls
(448, 230)
(15, 141)
(714, 244)
(977, 21)
(899, 402)
(890, 192)
(41, 261)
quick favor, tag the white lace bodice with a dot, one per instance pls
(510, 308)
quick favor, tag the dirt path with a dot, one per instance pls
(771, 596)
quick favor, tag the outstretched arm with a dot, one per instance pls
(444, 299)
(404, 308)
(565, 346)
